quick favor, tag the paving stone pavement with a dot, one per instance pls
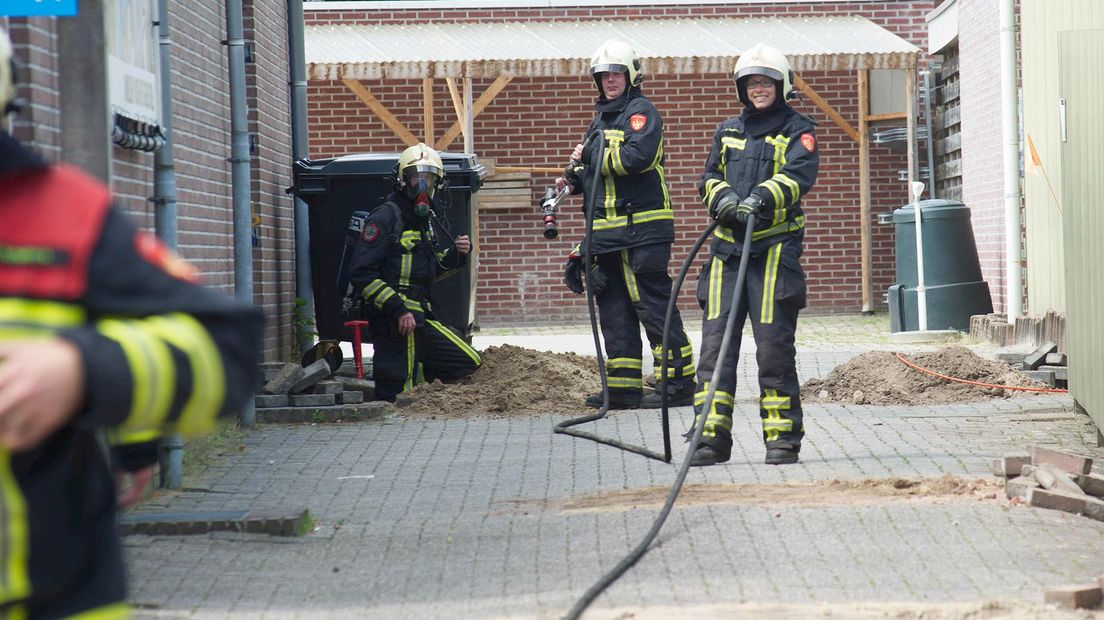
(465, 518)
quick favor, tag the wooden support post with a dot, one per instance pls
(381, 111)
(427, 109)
(469, 116)
(454, 93)
(819, 102)
(468, 119)
(864, 192)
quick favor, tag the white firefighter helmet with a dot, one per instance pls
(617, 56)
(7, 80)
(764, 60)
(419, 163)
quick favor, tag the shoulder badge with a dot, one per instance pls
(159, 255)
(638, 121)
(371, 232)
(808, 141)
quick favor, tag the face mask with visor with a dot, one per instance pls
(421, 186)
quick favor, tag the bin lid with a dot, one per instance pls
(933, 209)
(384, 164)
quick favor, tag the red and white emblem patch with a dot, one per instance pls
(808, 141)
(152, 250)
(371, 232)
(638, 121)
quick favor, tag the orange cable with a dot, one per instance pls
(978, 383)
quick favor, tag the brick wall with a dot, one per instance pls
(536, 122)
(982, 142)
(201, 132)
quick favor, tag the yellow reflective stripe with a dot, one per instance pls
(625, 382)
(733, 143)
(383, 297)
(610, 204)
(713, 187)
(770, 279)
(613, 155)
(409, 238)
(657, 159)
(776, 194)
(203, 405)
(406, 265)
(714, 422)
(719, 398)
(15, 583)
(410, 303)
(409, 383)
(630, 277)
(119, 438)
(624, 362)
(21, 312)
(797, 224)
(115, 611)
(687, 351)
(713, 301)
(795, 189)
(663, 184)
(638, 218)
(459, 342)
(151, 369)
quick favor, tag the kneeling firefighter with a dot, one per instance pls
(633, 229)
(761, 164)
(391, 271)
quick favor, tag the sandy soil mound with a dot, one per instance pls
(512, 381)
(879, 378)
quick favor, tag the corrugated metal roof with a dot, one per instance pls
(667, 46)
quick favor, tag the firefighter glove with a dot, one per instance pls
(597, 279)
(749, 207)
(573, 272)
(725, 212)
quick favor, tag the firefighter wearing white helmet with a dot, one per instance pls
(632, 233)
(93, 290)
(761, 164)
(392, 268)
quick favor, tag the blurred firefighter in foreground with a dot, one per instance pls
(760, 166)
(102, 328)
(392, 270)
(633, 231)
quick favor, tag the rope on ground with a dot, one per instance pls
(979, 383)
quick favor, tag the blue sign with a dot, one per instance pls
(28, 8)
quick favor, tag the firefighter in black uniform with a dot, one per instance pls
(760, 166)
(632, 234)
(103, 331)
(392, 269)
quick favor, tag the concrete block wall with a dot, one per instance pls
(536, 122)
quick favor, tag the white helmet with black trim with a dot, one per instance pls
(616, 56)
(764, 60)
(419, 171)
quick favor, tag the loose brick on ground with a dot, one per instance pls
(1087, 596)
(1094, 508)
(1050, 477)
(284, 380)
(1011, 464)
(1090, 483)
(1067, 461)
(313, 400)
(1056, 500)
(317, 371)
(1019, 486)
(264, 401)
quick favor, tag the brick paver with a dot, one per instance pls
(462, 518)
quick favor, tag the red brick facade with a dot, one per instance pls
(201, 119)
(536, 121)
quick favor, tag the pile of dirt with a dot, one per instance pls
(513, 381)
(879, 378)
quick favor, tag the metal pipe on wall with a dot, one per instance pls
(299, 149)
(171, 453)
(1010, 135)
(239, 167)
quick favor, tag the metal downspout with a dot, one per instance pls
(1010, 134)
(239, 167)
(300, 143)
(171, 453)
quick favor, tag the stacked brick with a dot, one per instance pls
(314, 393)
(1044, 364)
(1046, 478)
(1027, 330)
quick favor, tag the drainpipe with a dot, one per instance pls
(171, 453)
(299, 149)
(239, 167)
(1010, 134)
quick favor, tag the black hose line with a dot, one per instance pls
(564, 427)
(699, 426)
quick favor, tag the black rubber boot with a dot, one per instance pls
(679, 394)
(618, 400)
(707, 455)
(781, 453)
